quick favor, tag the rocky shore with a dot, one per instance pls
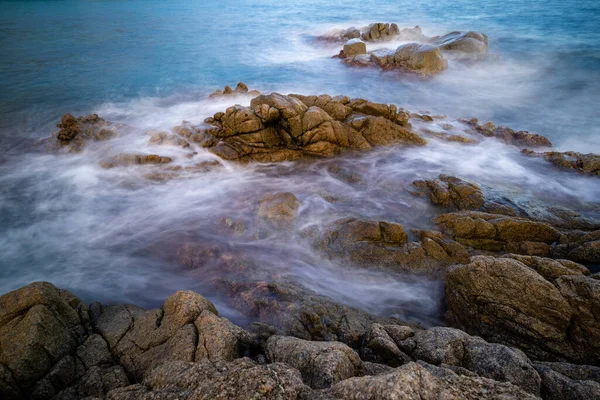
(522, 306)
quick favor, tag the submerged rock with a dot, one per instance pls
(279, 209)
(240, 89)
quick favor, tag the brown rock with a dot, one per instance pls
(279, 209)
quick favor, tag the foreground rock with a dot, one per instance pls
(52, 346)
(279, 128)
(545, 307)
(452, 193)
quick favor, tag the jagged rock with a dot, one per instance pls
(279, 209)
(124, 159)
(142, 339)
(452, 193)
(380, 344)
(321, 364)
(556, 386)
(584, 163)
(380, 32)
(573, 371)
(472, 43)
(39, 326)
(278, 128)
(75, 133)
(354, 47)
(422, 381)
(506, 301)
(496, 232)
(240, 379)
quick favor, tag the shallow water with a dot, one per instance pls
(111, 235)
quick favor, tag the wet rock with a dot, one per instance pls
(556, 386)
(495, 232)
(282, 128)
(471, 43)
(506, 301)
(75, 133)
(423, 381)
(354, 47)
(279, 209)
(423, 59)
(583, 163)
(344, 175)
(240, 379)
(321, 364)
(452, 193)
(521, 138)
(548, 268)
(162, 138)
(125, 159)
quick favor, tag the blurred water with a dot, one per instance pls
(150, 64)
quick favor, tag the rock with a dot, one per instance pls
(384, 245)
(142, 339)
(439, 346)
(573, 371)
(39, 325)
(556, 386)
(382, 347)
(321, 364)
(452, 193)
(570, 160)
(354, 47)
(472, 43)
(283, 128)
(162, 138)
(421, 58)
(380, 32)
(219, 339)
(505, 301)
(422, 381)
(496, 232)
(240, 89)
(240, 379)
(521, 138)
(548, 268)
(125, 159)
(299, 312)
(76, 133)
(279, 209)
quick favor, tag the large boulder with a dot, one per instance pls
(556, 386)
(321, 364)
(354, 47)
(380, 31)
(506, 301)
(570, 160)
(421, 58)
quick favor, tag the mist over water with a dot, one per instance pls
(112, 234)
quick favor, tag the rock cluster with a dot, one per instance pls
(277, 128)
(507, 135)
(75, 133)
(240, 89)
(53, 346)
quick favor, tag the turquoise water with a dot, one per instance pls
(150, 64)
